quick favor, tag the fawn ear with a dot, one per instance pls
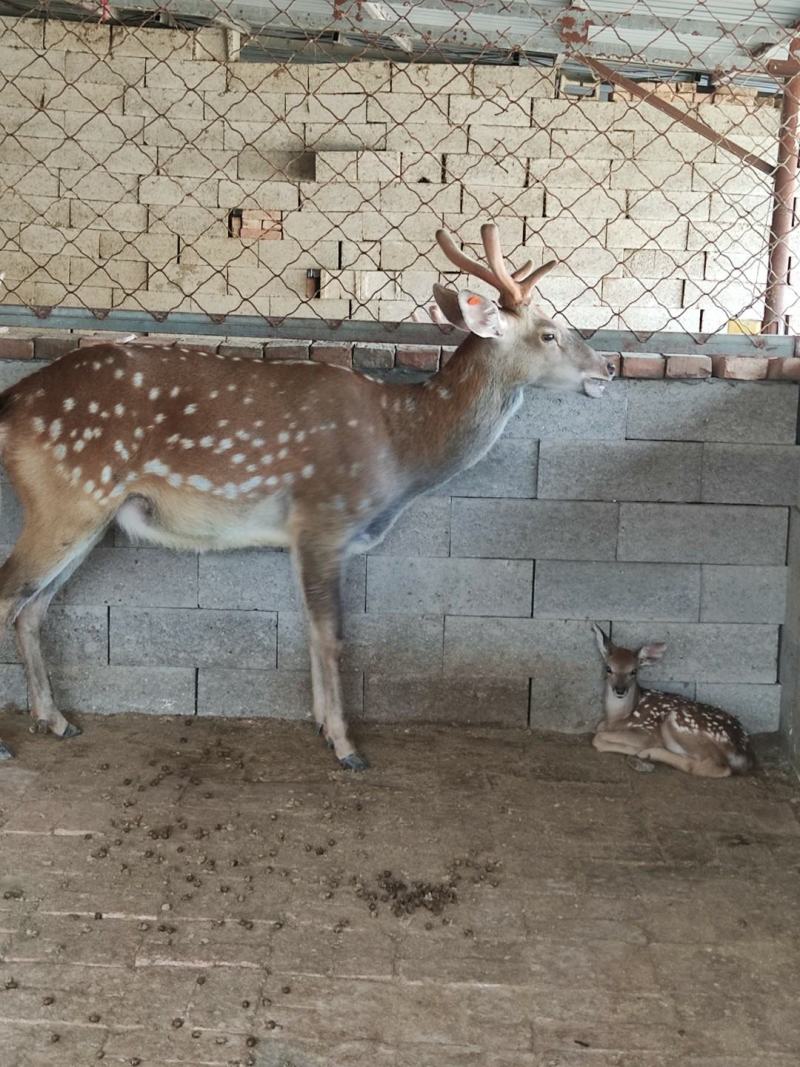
(651, 653)
(482, 316)
(603, 642)
(447, 301)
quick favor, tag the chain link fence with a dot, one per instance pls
(199, 162)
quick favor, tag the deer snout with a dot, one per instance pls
(620, 690)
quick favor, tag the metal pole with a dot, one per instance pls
(777, 296)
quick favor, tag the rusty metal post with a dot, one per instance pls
(784, 190)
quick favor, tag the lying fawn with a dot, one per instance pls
(663, 727)
(194, 451)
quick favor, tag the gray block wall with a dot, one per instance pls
(661, 511)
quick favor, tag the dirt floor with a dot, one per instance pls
(216, 892)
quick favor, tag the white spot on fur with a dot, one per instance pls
(159, 417)
(224, 445)
(251, 483)
(138, 379)
(283, 437)
(238, 458)
(55, 429)
(105, 475)
(190, 409)
(79, 446)
(119, 373)
(175, 479)
(206, 442)
(214, 394)
(138, 433)
(154, 393)
(258, 442)
(267, 459)
(122, 450)
(155, 466)
(69, 403)
(352, 422)
(308, 470)
(187, 443)
(38, 424)
(272, 480)
(300, 436)
(119, 409)
(174, 391)
(197, 481)
(89, 487)
(60, 451)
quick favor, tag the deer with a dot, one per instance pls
(194, 451)
(659, 727)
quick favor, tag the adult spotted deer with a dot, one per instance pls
(662, 727)
(192, 451)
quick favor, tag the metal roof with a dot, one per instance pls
(717, 37)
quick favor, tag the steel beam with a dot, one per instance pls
(187, 323)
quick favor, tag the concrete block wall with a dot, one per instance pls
(661, 511)
(126, 150)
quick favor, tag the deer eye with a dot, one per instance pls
(608, 670)
(548, 337)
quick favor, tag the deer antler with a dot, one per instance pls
(516, 289)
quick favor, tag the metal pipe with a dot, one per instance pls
(776, 299)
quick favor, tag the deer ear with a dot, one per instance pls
(447, 301)
(483, 317)
(651, 653)
(603, 642)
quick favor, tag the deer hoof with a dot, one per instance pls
(643, 766)
(38, 726)
(354, 762)
(71, 731)
(5, 752)
(324, 736)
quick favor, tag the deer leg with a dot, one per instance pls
(320, 572)
(617, 741)
(702, 768)
(28, 582)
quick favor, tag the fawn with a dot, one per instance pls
(190, 450)
(696, 738)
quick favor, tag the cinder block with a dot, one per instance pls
(712, 411)
(479, 701)
(642, 366)
(740, 368)
(419, 357)
(559, 657)
(476, 110)
(422, 530)
(751, 474)
(534, 529)
(757, 706)
(161, 43)
(150, 577)
(784, 368)
(373, 357)
(339, 353)
(51, 345)
(269, 77)
(200, 75)
(702, 533)
(688, 366)
(707, 651)
(399, 646)
(744, 594)
(73, 635)
(627, 470)
(111, 690)
(189, 638)
(15, 347)
(244, 349)
(449, 586)
(275, 348)
(664, 592)
(276, 694)
(508, 470)
(548, 413)
(263, 580)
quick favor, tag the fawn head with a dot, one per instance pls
(622, 664)
(537, 349)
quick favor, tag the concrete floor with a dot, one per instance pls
(215, 892)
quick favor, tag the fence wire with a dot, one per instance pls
(295, 160)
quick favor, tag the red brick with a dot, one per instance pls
(784, 369)
(16, 347)
(740, 368)
(420, 357)
(278, 349)
(688, 366)
(339, 353)
(642, 366)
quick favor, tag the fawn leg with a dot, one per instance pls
(620, 741)
(702, 768)
(320, 571)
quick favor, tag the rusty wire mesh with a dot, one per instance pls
(295, 161)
